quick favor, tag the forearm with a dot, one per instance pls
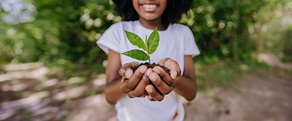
(186, 87)
(112, 91)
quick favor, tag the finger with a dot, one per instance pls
(150, 98)
(173, 74)
(166, 62)
(133, 80)
(162, 87)
(130, 65)
(162, 62)
(122, 72)
(149, 70)
(165, 76)
(128, 73)
(139, 91)
(127, 66)
(170, 64)
(173, 65)
(132, 94)
(153, 93)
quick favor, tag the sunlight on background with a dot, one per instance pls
(18, 11)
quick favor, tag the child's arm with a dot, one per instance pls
(184, 85)
(113, 79)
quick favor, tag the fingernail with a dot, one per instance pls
(153, 77)
(173, 74)
(148, 72)
(149, 97)
(149, 90)
(128, 74)
(143, 69)
(123, 70)
(156, 69)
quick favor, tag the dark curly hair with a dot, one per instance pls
(172, 13)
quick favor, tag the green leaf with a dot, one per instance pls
(136, 40)
(137, 54)
(153, 41)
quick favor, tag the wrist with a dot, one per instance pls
(178, 81)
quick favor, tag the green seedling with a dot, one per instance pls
(148, 47)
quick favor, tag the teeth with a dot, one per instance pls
(149, 7)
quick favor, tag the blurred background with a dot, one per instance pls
(52, 70)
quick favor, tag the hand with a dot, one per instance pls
(163, 83)
(134, 83)
(172, 65)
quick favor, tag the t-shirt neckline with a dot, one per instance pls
(150, 30)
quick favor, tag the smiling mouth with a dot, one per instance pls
(149, 7)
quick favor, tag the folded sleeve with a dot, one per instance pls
(190, 46)
(109, 39)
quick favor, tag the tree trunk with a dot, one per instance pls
(234, 34)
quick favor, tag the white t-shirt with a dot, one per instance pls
(175, 42)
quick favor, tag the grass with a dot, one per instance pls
(222, 73)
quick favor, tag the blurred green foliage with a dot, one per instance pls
(62, 34)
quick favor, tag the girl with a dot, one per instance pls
(161, 100)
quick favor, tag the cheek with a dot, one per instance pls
(135, 4)
(163, 3)
(163, 7)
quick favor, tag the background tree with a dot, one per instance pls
(62, 34)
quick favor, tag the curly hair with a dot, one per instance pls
(172, 13)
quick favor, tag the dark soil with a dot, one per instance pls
(152, 66)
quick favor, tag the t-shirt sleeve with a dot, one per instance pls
(109, 39)
(190, 46)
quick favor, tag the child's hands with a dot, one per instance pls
(163, 83)
(137, 84)
(134, 83)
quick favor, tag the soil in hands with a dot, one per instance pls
(148, 65)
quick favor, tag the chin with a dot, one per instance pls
(150, 18)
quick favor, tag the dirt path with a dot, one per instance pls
(259, 96)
